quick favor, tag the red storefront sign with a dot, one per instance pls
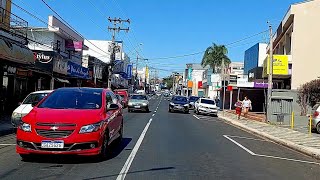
(199, 84)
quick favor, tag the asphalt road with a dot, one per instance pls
(163, 145)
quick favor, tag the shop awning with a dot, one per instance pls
(62, 80)
(12, 52)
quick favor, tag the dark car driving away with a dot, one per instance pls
(179, 103)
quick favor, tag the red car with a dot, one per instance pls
(124, 94)
(80, 121)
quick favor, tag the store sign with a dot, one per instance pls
(260, 84)
(189, 73)
(74, 45)
(9, 70)
(98, 72)
(60, 66)
(23, 72)
(43, 57)
(200, 85)
(76, 70)
(233, 79)
(243, 82)
(129, 71)
(280, 65)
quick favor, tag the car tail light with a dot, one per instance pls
(316, 114)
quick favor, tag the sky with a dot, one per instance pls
(166, 28)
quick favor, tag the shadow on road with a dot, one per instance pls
(73, 159)
(133, 172)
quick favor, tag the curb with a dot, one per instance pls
(315, 153)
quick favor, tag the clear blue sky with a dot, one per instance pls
(168, 27)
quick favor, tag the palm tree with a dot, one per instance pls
(214, 56)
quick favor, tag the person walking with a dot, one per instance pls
(246, 104)
(238, 106)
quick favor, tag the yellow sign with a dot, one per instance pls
(280, 65)
(147, 72)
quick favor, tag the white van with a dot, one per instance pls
(27, 105)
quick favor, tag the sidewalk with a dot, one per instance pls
(5, 125)
(299, 141)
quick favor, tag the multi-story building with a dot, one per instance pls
(298, 37)
(58, 55)
(193, 80)
(254, 56)
(15, 57)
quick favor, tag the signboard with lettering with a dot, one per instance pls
(43, 60)
(74, 45)
(76, 70)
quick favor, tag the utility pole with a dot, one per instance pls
(224, 85)
(114, 48)
(270, 82)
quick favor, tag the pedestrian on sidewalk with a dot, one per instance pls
(246, 104)
(238, 106)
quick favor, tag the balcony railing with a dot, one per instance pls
(13, 24)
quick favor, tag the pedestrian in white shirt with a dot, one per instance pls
(246, 104)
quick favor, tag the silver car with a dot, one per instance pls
(316, 118)
(138, 102)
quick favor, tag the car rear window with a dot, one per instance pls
(208, 101)
(73, 100)
(140, 97)
(178, 98)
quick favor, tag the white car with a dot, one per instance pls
(27, 105)
(206, 106)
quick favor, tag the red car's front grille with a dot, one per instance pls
(54, 133)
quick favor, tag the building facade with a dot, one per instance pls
(254, 56)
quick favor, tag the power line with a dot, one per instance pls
(71, 26)
(44, 22)
(196, 53)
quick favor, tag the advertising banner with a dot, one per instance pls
(280, 65)
(243, 82)
(129, 71)
(190, 84)
(199, 84)
(74, 45)
(76, 70)
(189, 73)
(60, 65)
(260, 84)
(43, 60)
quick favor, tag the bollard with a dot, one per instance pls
(310, 125)
(292, 120)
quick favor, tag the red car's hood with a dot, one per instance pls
(73, 116)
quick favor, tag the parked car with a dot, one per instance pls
(141, 92)
(80, 121)
(120, 99)
(138, 102)
(206, 106)
(27, 105)
(179, 103)
(192, 100)
(124, 94)
(315, 123)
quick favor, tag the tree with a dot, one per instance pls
(214, 55)
(168, 81)
(309, 94)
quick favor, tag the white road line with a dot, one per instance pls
(133, 153)
(288, 159)
(155, 111)
(238, 144)
(248, 138)
(262, 155)
(7, 144)
(196, 116)
(153, 115)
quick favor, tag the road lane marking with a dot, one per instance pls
(266, 156)
(155, 111)
(153, 115)
(133, 153)
(249, 138)
(7, 144)
(196, 116)
(287, 159)
(238, 144)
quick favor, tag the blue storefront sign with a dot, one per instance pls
(129, 71)
(189, 73)
(76, 70)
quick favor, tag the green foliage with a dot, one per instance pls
(168, 81)
(308, 94)
(214, 56)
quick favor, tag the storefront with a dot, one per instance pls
(77, 74)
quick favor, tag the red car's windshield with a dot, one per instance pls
(73, 100)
